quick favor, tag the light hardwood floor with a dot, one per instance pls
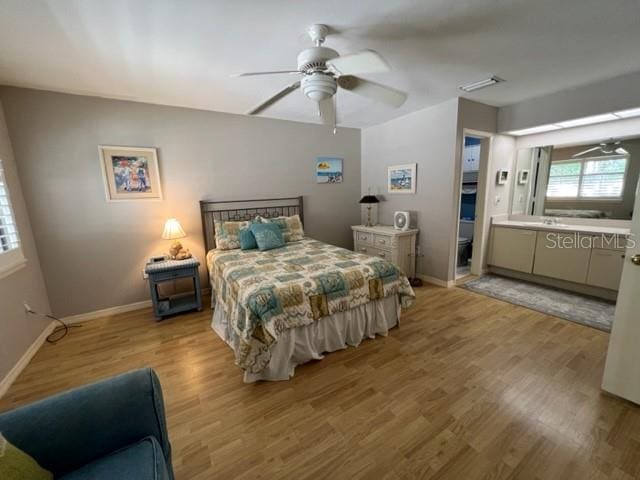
(468, 387)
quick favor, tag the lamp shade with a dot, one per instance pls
(173, 230)
(369, 199)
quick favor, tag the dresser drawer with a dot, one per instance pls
(364, 237)
(172, 274)
(373, 251)
(382, 241)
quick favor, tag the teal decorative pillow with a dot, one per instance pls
(291, 227)
(247, 239)
(18, 465)
(268, 235)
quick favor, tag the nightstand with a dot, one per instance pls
(397, 246)
(170, 270)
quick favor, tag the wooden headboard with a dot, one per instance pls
(240, 210)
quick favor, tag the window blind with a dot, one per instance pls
(9, 239)
(588, 178)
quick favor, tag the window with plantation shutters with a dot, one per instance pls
(598, 178)
(10, 252)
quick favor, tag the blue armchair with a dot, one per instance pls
(114, 428)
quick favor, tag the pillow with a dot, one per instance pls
(17, 465)
(268, 235)
(291, 227)
(247, 239)
(228, 234)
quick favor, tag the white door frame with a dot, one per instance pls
(481, 202)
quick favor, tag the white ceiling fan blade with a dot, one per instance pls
(589, 150)
(621, 151)
(275, 72)
(328, 111)
(281, 94)
(372, 90)
(366, 61)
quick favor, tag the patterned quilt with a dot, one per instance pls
(264, 293)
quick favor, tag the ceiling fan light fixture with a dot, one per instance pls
(319, 86)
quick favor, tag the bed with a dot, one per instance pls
(280, 308)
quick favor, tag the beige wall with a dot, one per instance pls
(18, 330)
(92, 252)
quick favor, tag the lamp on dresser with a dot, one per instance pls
(369, 201)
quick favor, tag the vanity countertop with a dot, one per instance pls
(587, 229)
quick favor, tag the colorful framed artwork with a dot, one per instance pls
(328, 170)
(130, 173)
(401, 178)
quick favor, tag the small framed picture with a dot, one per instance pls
(523, 177)
(502, 177)
(130, 173)
(328, 170)
(401, 178)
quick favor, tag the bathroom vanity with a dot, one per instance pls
(583, 258)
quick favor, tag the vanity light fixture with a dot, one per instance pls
(632, 112)
(578, 122)
(487, 82)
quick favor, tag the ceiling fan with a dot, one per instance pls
(607, 148)
(324, 70)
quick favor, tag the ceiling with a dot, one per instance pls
(181, 52)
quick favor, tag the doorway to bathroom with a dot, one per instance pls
(474, 154)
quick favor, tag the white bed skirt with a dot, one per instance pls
(302, 344)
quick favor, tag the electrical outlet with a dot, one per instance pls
(27, 308)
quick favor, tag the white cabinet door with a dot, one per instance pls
(559, 256)
(512, 248)
(605, 268)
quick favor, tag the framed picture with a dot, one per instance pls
(328, 170)
(130, 173)
(401, 178)
(523, 177)
(502, 177)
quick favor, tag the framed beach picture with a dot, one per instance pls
(130, 173)
(328, 170)
(401, 178)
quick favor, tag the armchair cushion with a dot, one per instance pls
(142, 460)
(75, 428)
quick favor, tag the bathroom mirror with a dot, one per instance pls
(595, 180)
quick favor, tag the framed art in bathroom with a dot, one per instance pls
(502, 177)
(523, 177)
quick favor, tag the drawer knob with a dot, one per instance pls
(635, 259)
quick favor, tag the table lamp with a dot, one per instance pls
(173, 231)
(369, 201)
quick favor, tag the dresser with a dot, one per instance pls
(386, 242)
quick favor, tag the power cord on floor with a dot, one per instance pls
(59, 332)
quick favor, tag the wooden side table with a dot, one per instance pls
(170, 270)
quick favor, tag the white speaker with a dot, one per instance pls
(401, 220)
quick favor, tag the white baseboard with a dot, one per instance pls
(437, 281)
(6, 382)
(106, 312)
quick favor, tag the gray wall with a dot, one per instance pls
(432, 138)
(92, 252)
(18, 330)
(426, 137)
(617, 93)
